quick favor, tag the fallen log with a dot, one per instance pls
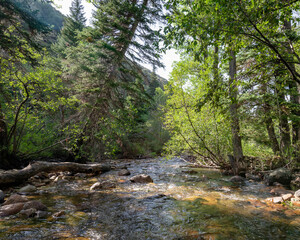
(13, 177)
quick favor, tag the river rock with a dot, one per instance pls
(103, 185)
(59, 214)
(27, 189)
(142, 178)
(2, 196)
(275, 200)
(297, 194)
(30, 212)
(278, 191)
(253, 177)
(34, 204)
(15, 198)
(296, 182)
(124, 172)
(280, 175)
(41, 214)
(237, 179)
(287, 197)
(80, 175)
(11, 209)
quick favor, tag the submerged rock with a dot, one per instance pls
(15, 198)
(237, 179)
(280, 175)
(142, 178)
(124, 172)
(103, 185)
(28, 189)
(41, 214)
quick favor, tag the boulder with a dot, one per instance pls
(142, 178)
(237, 179)
(35, 205)
(124, 172)
(27, 189)
(2, 196)
(103, 185)
(11, 209)
(15, 198)
(280, 175)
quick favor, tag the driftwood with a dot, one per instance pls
(12, 177)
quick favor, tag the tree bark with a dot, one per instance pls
(271, 131)
(235, 125)
(269, 121)
(284, 128)
(295, 93)
(13, 177)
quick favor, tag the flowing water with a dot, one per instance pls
(181, 203)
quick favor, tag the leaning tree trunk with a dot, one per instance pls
(235, 125)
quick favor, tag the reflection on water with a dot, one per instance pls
(179, 204)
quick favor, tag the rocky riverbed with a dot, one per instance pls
(149, 199)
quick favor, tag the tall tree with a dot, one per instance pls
(105, 63)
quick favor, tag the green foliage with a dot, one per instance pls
(203, 132)
(31, 101)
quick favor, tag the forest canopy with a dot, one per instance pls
(78, 92)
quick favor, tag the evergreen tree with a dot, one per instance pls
(73, 24)
(105, 61)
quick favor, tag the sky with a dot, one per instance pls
(168, 58)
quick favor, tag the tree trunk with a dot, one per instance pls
(284, 128)
(269, 121)
(271, 131)
(4, 163)
(294, 95)
(235, 125)
(15, 177)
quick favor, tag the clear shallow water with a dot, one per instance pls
(180, 204)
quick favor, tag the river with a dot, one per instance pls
(181, 203)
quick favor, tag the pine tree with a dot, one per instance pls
(105, 61)
(73, 24)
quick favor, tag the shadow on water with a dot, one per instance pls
(177, 205)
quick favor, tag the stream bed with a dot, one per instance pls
(181, 203)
